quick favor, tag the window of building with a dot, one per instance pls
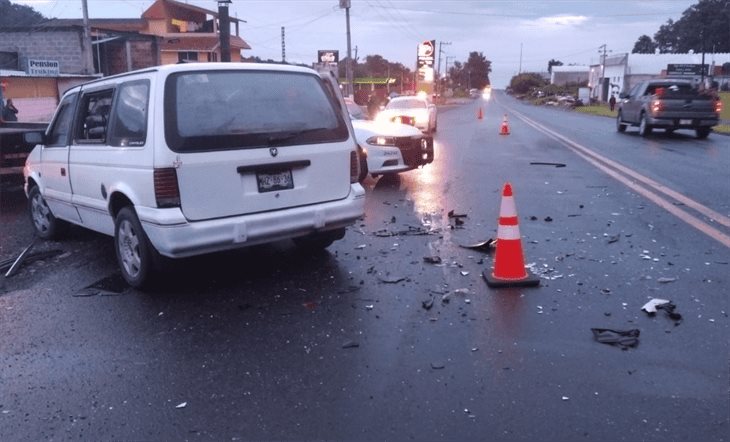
(212, 56)
(182, 57)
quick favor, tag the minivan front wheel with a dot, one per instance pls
(46, 225)
(134, 252)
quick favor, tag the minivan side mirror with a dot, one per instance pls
(34, 138)
(623, 95)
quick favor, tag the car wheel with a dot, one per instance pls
(702, 132)
(620, 126)
(135, 254)
(319, 240)
(644, 127)
(45, 225)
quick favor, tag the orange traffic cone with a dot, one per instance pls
(480, 114)
(504, 129)
(509, 263)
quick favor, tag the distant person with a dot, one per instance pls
(10, 113)
(612, 102)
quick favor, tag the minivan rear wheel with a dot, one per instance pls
(135, 254)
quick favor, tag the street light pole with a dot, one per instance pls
(345, 4)
(438, 70)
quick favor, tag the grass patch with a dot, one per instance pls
(722, 129)
(602, 111)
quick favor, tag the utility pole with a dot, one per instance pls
(86, 44)
(345, 4)
(519, 71)
(225, 30)
(603, 69)
(283, 45)
(438, 70)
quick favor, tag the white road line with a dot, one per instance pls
(615, 170)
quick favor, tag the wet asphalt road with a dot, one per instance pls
(272, 343)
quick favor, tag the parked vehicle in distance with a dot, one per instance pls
(413, 110)
(390, 147)
(186, 159)
(474, 93)
(668, 104)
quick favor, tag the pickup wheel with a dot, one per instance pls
(702, 132)
(46, 225)
(620, 126)
(644, 127)
(135, 254)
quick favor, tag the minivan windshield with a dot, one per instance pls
(214, 110)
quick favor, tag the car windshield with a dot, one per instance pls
(406, 104)
(211, 110)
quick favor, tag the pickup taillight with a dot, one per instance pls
(167, 192)
(718, 106)
(656, 106)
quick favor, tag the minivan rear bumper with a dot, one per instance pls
(176, 237)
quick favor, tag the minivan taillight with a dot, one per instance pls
(167, 191)
(718, 106)
(354, 167)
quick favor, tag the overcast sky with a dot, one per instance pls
(515, 35)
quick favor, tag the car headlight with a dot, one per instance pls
(422, 116)
(379, 140)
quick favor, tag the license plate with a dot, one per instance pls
(685, 121)
(275, 180)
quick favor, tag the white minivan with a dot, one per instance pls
(186, 159)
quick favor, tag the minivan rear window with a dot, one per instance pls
(218, 110)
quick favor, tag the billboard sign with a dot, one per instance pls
(328, 56)
(425, 61)
(687, 69)
(44, 68)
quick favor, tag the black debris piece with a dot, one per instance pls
(620, 338)
(459, 221)
(19, 261)
(456, 215)
(484, 246)
(613, 238)
(392, 219)
(539, 163)
(669, 308)
(350, 344)
(533, 218)
(432, 259)
(438, 365)
(427, 304)
(391, 279)
(548, 219)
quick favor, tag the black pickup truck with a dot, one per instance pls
(14, 150)
(669, 104)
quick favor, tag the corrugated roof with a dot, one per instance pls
(199, 43)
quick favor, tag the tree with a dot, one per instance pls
(553, 62)
(18, 15)
(522, 83)
(456, 73)
(644, 45)
(477, 69)
(703, 26)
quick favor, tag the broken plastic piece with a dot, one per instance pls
(432, 259)
(456, 215)
(484, 246)
(350, 344)
(16, 265)
(427, 304)
(181, 405)
(651, 306)
(539, 163)
(621, 338)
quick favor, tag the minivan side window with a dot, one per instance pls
(60, 128)
(94, 117)
(129, 119)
